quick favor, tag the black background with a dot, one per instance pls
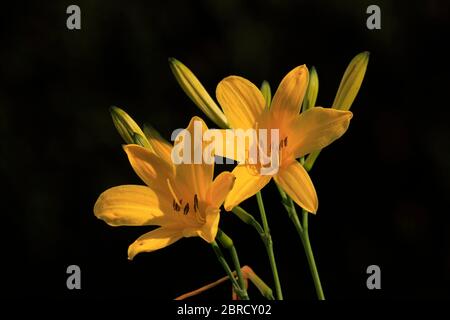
(383, 187)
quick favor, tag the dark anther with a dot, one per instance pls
(186, 209)
(285, 141)
(195, 203)
(175, 206)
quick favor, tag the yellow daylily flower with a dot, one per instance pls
(183, 199)
(299, 134)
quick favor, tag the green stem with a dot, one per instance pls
(226, 267)
(304, 219)
(312, 261)
(303, 232)
(249, 219)
(310, 160)
(228, 244)
(269, 246)
(262, 210)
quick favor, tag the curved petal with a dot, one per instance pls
(132, 205)
(296, 182)
(247, 184)
(317, 128)
(209, 230)
(153, 170)
(154, 240)
(241, 101)
(220, 188)
(195, 177)
(291, 91)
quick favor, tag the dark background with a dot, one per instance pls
(383, 187)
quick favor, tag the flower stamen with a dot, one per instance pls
(175, 206)
(174, 195)
(195, 203)
(186, 209)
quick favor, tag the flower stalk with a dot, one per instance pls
(228, 244)
(267, 239)
(264, 233)
(302, 230)
(223, 262)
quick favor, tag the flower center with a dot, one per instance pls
(285, 152)
(283, 143)
(178, 206)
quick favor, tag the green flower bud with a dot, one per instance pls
(127, 127)
(197, 93)
(313, 89)
(351, 82)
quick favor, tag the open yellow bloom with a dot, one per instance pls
(182, 199)
(299, 134)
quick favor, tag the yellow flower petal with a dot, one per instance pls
(220, 188)
(241, 101)
(296, 182)
(193, 177)
(289, 95)
(233, 144)
(209, 230)
(248, 183)
(159, 145)
(317, 128)
(154, 240)
(153, 170)
(132, 205)
(223, 147)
